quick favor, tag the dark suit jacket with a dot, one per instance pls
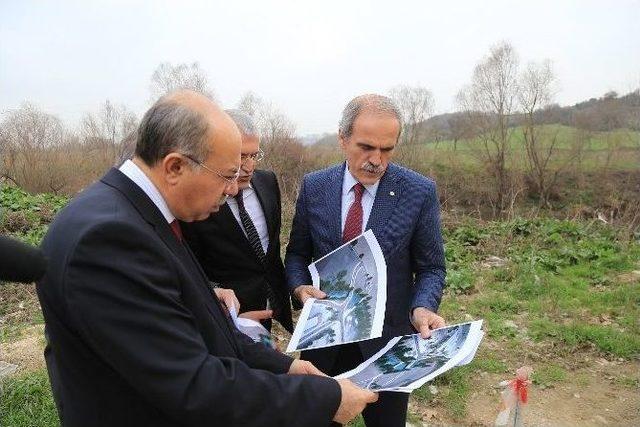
(405, 219)
(135, 338)
(227, 258)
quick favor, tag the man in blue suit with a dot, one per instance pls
(401, 207)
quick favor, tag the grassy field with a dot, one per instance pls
(558, 295)
(621, 146)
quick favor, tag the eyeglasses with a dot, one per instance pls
(256, 157)
(230, 181)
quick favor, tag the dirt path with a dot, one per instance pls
(25, 352)
(606, 394)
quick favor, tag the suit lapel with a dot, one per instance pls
(147, 209)
(333, 197)
(153, 216)
(213, 305)
(387, 196)
(230, 221)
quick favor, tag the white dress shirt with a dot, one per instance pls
(254, 209)
(348, 196)
(135, 174)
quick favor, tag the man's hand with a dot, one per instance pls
(228, 298)
(257, 315)
(302, 367)
(425, 320)
(354, 399)
(304, 292)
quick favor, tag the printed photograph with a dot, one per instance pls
(354, 277)
(349, 278)
(412, 358)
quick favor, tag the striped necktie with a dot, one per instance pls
(256, 245)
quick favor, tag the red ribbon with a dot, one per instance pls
(519, 386)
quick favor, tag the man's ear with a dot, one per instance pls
(342, 140)
(174, 166)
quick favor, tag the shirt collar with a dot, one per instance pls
(137, 175)
(349, 181)
(245, 193)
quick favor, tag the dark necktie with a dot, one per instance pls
(177, 231)
(256, 245)
(353, 223)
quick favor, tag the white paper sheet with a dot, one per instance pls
(408, 362)
(354, 277)
(252, 329)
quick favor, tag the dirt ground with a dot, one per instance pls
(587, 397)
(592, 394)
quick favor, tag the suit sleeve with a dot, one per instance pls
(427, 252)
(259, 356)
(124, 298)
(299, 250)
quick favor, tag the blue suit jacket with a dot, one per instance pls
(405, 219)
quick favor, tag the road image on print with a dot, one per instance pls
(409, 361)
(354, 279)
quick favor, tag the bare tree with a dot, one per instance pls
(459, 128)
(488, 103)
(107, 129)
(416, 106)
(167, 78)
(541, 142)
(251, 104)
(284, 154)
(272, 124)
(28, 135)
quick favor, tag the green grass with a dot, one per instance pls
(548, 375)
(629, 382)
(560, 284)
(456, 386)
(26, 216)
(576, 335)
(27, 401)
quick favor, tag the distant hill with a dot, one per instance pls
(597, 114)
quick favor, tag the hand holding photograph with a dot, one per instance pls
(354, 277)
(407, 362)
(252, 329)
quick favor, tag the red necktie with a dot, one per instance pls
(175, 227)
(353, 224)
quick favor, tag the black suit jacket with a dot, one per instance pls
(227, 257)
(135, 337)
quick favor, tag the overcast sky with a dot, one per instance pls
(308, 58)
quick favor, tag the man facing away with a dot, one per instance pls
(239, 246)
(134, 337)
(401, 207)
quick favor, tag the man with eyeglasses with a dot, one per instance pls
(239, 246)
(134, 337)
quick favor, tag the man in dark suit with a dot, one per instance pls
(239, 246)
(401, 207)
(134, 337)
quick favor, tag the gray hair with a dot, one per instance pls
(371, 102)
(244, 122)
(169, 126)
